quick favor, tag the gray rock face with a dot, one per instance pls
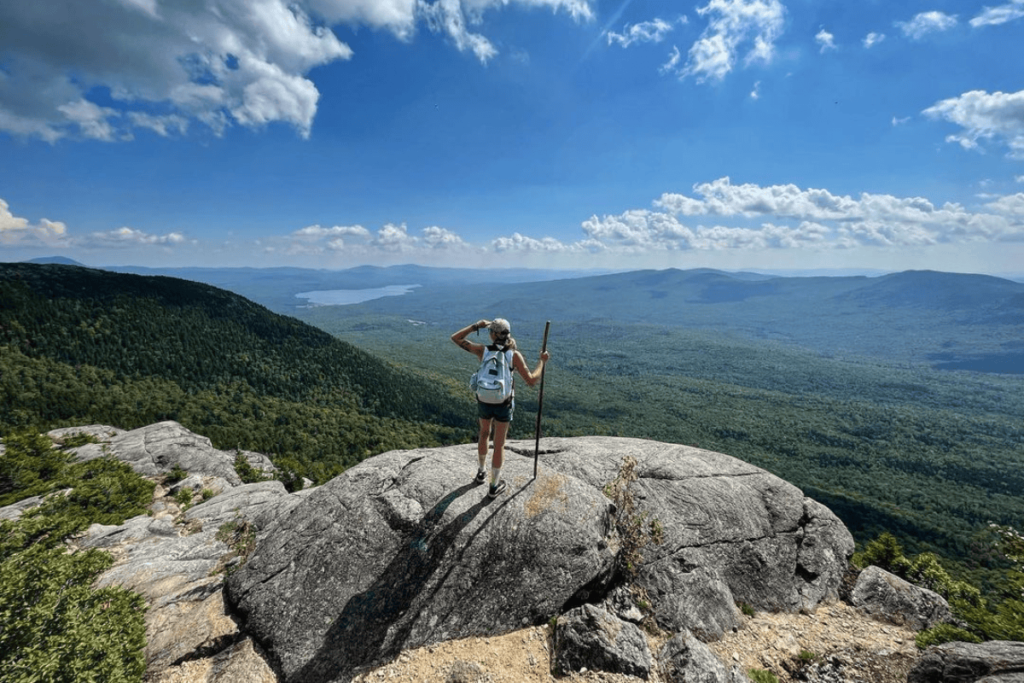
(593, 638)
(403, 551)
(157, 448)
(177, 574)
(887, 597)
(733, 532)
(997, 661)
(684, 659)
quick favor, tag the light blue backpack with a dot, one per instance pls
(492, 383)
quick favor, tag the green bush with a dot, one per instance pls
(246, 472)
(762, 676)
(184, 497)
(944, 633)
(175, 475)
(58, 630)
(29, 467)
(54, 627)
(106, 491)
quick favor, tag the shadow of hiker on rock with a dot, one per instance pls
(375, 624)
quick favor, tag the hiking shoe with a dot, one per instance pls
(480, 476)
(496, 489)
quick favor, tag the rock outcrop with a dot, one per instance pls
(157, 448)
(997, 661)
(403, 550)
(889, 598)
(593, 637)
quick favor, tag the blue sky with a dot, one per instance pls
(762, 134)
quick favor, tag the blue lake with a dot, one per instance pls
(344, 297)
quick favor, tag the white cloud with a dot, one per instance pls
(338, 231)
(983, 116)
(788, 217)
(392, 238)
(672, 64)
(896, 121)
(734, 27)
(826, 40)
(128, 237)
(1019, 178)
(17, 231)
(521, 243)
(993, 16)
(873, 39)
(1010, 205)
(756, 92)
(441, 238)
(216, 62)
(645, 32)
(926, 22)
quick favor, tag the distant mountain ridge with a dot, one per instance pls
(912, 316)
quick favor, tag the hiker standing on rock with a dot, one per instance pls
(494, 391)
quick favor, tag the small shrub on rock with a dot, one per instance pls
(762, 676)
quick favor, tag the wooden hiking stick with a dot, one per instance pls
(540, 398)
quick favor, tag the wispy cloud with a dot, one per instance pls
(168, 65)
(1001, 14)
(826, 41)
(736, 29)
(872, 39)
(653, 31)
(927, 22)
(997, 117)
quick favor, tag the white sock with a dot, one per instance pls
(495, 475)
(482, 459)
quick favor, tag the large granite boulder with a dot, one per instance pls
(733, 532)
(403, 550)
(997, 661)
(887, 597)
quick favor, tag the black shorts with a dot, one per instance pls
(499, 412)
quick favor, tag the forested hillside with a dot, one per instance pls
(87, 346)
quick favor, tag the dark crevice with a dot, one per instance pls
(214, 647)
(594, 591)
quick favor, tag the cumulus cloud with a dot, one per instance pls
(735, 27)
(163, 66)
(392, 238)
(997, 117)
(826, 40)
(993, 16)
(18, 231)
(125, 237)
(721, 215)
(927, 22)
(1010, 205)
(644, 32)
(873, 39)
